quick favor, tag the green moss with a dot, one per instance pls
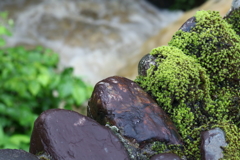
(179, 84)
(44, 156)
(216, 46)
(196, 81)
(163, 148)
(234, 19)
(177, 76)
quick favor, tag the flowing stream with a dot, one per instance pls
(96, 37)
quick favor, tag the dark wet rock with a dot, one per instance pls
(211, 143)
(65, 134)
(190, 23)
(120, 102)
(166, 156)
(16, 154)
(145, 63)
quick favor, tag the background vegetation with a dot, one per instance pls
(29, 85)
(177, 4)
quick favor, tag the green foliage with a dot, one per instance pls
(196, 81)
(30, 85)
(186, 4)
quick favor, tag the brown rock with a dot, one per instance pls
(65, 135)
(166, 156)
(122, 103)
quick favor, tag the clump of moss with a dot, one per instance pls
(216, 46)
(196, 80)
(177, 78)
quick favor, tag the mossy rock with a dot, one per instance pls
(216, 46)
(196, 81)
(178, 83)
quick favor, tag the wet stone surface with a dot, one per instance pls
(122, 103)
(188, 25)
(211, 143)
(65, 134)
(166, 156)
(16, 154)
(145, 63)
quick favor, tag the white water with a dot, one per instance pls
(96, 37)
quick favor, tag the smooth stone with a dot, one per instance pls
(145, 63)
(188, 25)
(166, 156)
(120, 102)
(65, 134)
(16, 154)
(211, 143)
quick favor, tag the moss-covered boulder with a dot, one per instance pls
(179, 84)
(196, 80)
(216, 46)
(214, 43)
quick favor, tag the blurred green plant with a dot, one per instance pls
(29, 85)
(186, 4)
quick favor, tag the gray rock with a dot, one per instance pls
(145, 63)
(16, 154)
(211, 143)
(65, 135)
(190, 23)
(166, 156)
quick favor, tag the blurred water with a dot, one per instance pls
(96, 37)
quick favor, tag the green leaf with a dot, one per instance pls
(17, 139)
(4, 15)
(11, 22)
(68, 71)
(65, 89)
(2, 42)
(34, 87)
(79, 94)
(1, 133)
(4, 31)
(43, 79)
